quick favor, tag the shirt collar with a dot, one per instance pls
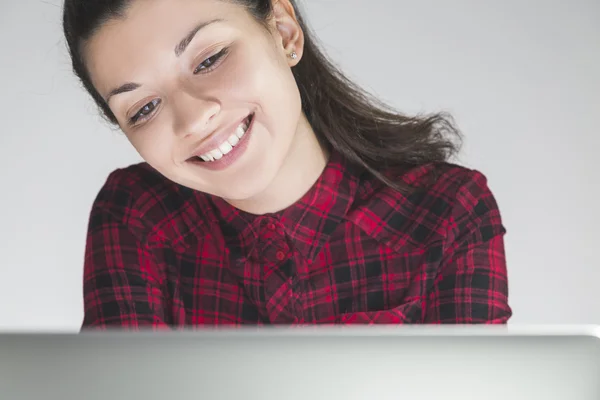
(310, 221)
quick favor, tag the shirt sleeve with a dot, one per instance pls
(121, 285)
(472, 285)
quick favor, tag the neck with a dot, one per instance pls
(301, 168)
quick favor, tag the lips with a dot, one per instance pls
(225, 146)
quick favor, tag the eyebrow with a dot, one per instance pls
(179, 49)
(127, 87)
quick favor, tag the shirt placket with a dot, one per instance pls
(276, 261)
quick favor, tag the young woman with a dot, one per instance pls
(274, 190)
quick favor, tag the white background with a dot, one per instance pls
(522, 79)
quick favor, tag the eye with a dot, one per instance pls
(144, 112)
(211, 62)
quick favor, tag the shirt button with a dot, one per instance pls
(280, 255)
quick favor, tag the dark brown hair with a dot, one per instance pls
(343, 116)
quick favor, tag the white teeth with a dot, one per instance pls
(233, 140)
(241, 130)
(216, 154)
(226, 146)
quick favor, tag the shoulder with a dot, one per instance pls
(460, 188)
(445, 200)
(467, 192)
(147, 203)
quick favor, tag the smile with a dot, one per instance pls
(227, 146)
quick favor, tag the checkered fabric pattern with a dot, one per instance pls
(351, 251)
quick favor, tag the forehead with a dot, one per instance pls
(125, 48)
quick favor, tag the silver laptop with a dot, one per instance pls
(367, 363)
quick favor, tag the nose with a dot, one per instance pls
(192, 115)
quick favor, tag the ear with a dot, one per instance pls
(288, 28)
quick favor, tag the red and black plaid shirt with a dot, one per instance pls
(350, 251)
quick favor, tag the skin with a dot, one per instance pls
(283, 158)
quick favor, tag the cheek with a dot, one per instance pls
(257, 76)
(154, 146)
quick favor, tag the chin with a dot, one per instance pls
(243, 185)
(244, 189)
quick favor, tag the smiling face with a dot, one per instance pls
(206, 94)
